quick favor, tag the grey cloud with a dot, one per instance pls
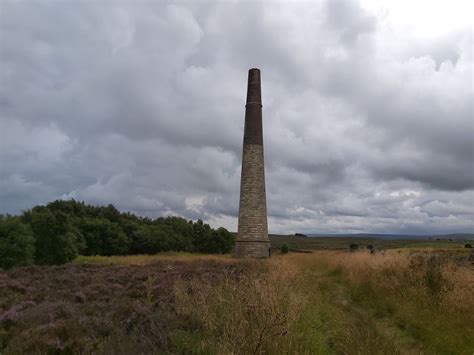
(141, 104)
(349, 20)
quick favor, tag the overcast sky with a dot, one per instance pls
(367, 108)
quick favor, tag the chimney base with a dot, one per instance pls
(252, 249)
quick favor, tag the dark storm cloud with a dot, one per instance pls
(141, 104)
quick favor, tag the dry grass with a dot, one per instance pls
(321, 303)
(247, 313)
(174, 257)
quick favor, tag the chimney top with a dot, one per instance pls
(254, 95)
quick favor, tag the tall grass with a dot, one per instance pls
(425, 301)
(332, 302)
(255, 311)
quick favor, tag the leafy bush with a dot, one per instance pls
(16, 243)
(468, 246)
(353, 247)
(284, 248)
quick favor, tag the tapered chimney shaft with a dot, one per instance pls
(252, 236)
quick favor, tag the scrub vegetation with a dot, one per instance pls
(325, 302)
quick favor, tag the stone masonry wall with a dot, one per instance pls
(252, 228)
(252, 249)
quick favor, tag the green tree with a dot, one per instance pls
(182, 228)
(284, 248)
(62, 229)
(110, 213)
(207, 240)
(201, 234)
(16, 243)
(153, 239)
(103, 237)
(221, 241)
(130, 228)
(57, 241)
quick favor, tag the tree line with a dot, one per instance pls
(62, 230)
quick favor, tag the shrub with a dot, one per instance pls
(284, 249)
(16, 243)
(353, 247)
(434, 279)
(468, 246)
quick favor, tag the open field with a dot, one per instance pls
(325, 302)
(342, 243)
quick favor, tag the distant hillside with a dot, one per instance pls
(342, 241)
(457, 236)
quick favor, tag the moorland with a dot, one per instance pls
(324, 302)
(85, 279)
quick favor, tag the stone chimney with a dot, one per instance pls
(252, 236)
